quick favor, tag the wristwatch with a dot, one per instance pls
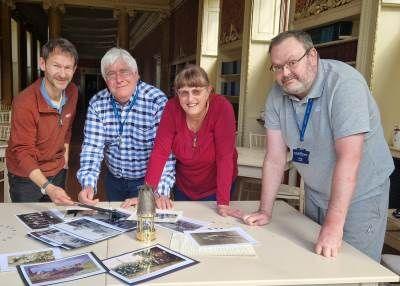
(43, 187)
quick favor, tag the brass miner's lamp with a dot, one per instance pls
(146, 211)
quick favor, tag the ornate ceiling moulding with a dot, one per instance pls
(58, 4)
(307, 8)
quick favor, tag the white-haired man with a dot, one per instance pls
(120, 127)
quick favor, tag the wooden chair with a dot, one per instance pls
(5, 117)
(257, 140)
(4, 136)
(4, 132)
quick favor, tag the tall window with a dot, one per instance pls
(14, 55)
(28, 57)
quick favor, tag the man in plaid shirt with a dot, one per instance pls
(120, 127)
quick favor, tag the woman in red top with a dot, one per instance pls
(198, 127)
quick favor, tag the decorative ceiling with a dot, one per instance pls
(92, 24)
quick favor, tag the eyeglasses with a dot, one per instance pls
(288, 64)
(195, 91)
(123, 74)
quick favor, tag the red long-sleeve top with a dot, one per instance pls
(206, 161)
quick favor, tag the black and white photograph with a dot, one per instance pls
(61, 270)
(167, 216)
(9, 261)
(59, 238)
(39, 220)
(218, 237)
(117, 218)
(88, 229)
(183, 224)
(146, 264)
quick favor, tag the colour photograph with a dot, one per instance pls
(62, 270)
(9, 261)
(146, 264)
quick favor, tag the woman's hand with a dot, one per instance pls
(130, 202)
(257, 218)
(163, 202)
(225, 210)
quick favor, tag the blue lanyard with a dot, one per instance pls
(118, 115)
(307, 115)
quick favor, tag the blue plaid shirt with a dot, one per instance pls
(126, 156)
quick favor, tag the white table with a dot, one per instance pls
(250, 162)
(284, 255)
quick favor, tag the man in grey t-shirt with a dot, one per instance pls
(323, 111)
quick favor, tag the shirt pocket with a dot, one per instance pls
(141, 137)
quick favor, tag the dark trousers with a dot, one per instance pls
(23, 190)
(181, 196)
(119, 189)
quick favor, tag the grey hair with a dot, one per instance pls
(115, 54)
(299, 35)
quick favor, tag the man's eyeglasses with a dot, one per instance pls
(123, 74)
(195, 91)
(288, 64)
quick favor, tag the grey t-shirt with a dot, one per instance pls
(342, 106)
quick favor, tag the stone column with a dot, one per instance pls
(6, 59)
(54, 10)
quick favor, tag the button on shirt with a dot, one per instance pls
(126, 155)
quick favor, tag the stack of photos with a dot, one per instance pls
(146, 264)
(39, 220)
(9, 261)
(61, 270)
(183, 224)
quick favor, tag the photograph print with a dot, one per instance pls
(9, 261)
(219, 237)
(88, 229)
(146, 264)
(39, 220)
(183, 224)
(59, 238)
(61, 270)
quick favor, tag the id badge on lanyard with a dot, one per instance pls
(301, 155)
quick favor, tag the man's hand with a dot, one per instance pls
(329, 240)
(86, 196)
(130, 202)
(225, 210)
(257, 218)
(163, 202)
(58, 195)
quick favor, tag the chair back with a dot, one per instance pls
(257, 140)
(4, 132)
(5, 117)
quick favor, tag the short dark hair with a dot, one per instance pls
(61, 44)
(191, 75)
(299, 35)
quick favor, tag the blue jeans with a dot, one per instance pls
(180, 196)
(119, 189)
(23, 190)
